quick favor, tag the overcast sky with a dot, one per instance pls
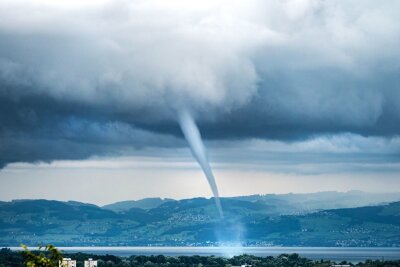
(289, 96)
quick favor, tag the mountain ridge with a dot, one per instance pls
(195, 222)
(289, 203)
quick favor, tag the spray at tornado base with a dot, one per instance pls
(228, 233)
(193, 137)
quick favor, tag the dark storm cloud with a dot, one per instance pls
(295, 105)
(37, 128)
(96, 80)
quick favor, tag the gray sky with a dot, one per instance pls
(295, 96)
(241, 168)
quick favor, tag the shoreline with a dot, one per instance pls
(353, 254)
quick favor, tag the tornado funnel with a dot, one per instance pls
(193, 137)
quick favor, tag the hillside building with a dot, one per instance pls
(67, 262)
(90, 263)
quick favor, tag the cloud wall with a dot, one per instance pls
(281, 70)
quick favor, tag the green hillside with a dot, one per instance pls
(285, 204)
(195, 222)
(146, 204)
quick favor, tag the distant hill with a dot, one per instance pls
(195, 222)
(146, 204)
(310, 202)
(283, 204)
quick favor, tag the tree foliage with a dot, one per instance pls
(49, 257)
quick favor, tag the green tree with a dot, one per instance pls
(49, 258)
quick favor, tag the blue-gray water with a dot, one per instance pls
(316, 253)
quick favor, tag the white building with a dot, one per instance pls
(67, 262)
(90, 263)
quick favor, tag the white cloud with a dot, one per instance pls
(203, 54)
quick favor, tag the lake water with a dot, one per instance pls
(316, 253)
